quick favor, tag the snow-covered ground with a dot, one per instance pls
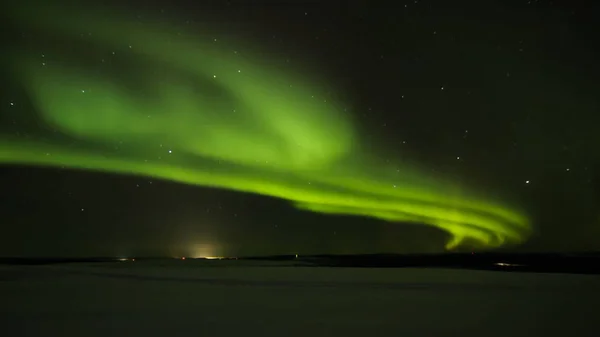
(223, 298)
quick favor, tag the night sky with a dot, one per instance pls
(212, 128)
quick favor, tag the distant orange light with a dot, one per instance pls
(183, 258)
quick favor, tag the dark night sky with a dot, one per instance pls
(498, 95)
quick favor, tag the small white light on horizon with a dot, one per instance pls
(505, 264)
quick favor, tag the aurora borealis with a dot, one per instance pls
(213, 111)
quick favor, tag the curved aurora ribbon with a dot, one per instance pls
(169, 106)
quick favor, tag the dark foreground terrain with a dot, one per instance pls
(280, 298)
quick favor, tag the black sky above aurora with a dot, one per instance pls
(232, 129)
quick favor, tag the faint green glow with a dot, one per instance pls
(203, 114)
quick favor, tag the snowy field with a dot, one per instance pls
(222, 298)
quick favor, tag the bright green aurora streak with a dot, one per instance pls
(198, 113)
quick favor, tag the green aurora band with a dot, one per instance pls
(199, 113)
